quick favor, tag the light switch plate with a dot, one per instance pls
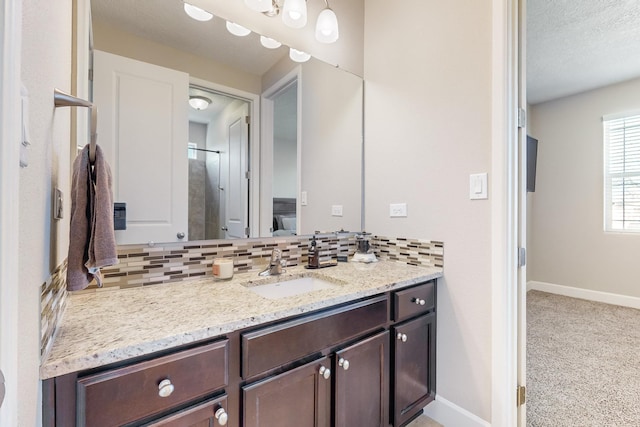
(303, 198)
(397, 210)
(478, 186)
(336, 210)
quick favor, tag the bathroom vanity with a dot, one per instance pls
(211, 353)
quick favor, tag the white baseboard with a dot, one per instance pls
(598, 296)
(451, 415)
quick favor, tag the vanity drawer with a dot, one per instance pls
(414, 300)
(132, 392)
(286, 342)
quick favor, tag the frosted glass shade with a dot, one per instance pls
(269, 43)
(237, 30)
(294, 13)
(298, 55)
(259, 5)
(327, 26)
(199, 102)
(197, 13)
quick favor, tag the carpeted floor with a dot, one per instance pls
(423, 421)
(583, 363)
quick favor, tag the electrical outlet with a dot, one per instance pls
(397, 210)
(336, 210)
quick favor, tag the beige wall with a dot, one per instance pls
(427, 127)
(46, 64)
(567, 243)
(118, 42)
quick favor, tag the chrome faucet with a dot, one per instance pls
(276, 264)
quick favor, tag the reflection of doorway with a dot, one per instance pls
(218, 154)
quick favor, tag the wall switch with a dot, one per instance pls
(478, 186)
(336, 210)
(303, 198)
(397, 210)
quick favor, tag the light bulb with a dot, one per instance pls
(197, 13)
(294, 13)
(237, 30)
(269, 43)
(298, 55)
(327, 26)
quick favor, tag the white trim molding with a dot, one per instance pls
(448, 413)
(587, 294)
(10, 139)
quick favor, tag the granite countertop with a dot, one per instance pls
(105, 327)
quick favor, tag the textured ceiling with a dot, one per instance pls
(578, 45)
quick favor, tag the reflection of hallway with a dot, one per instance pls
(583, 363)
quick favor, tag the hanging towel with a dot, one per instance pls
(92, 242)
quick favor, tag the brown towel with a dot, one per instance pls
(92, 242)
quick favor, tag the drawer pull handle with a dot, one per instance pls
(344, 363)
(165, 388)
(325, 372)
(402, 337)
(419, 301)
(221, 416)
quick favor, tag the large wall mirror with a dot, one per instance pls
(274, 149)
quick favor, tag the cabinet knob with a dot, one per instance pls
(221, 416)
(180, 235)
(325, 372)
(402, 337)
(165, 388)
(344, 363)
(419, 301)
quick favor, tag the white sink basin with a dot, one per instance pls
(290, 288)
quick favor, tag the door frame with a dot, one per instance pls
(266, 152)
(254, 145)
(505, 213)
(10, 137)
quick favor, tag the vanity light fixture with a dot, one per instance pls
(196, 13)
(269, 43)
(237, 30)
(294, 13)
(199, 102)
(298, 55)
(327, 26)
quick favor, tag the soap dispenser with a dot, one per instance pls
(313, 258)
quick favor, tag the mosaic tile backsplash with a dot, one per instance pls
(143, 265)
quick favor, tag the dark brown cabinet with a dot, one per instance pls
(362, 383)
(413, 377)
(369, 363)
(300, 397)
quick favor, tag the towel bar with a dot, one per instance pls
(62, 99)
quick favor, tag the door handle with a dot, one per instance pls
(224, 228)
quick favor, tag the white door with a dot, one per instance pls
(143, 130)
(236, 190)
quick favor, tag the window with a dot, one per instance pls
(622, 173)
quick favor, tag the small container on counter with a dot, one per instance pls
(223, 268)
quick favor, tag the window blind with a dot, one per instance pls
(622, 173)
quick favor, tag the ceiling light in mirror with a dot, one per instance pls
(237, 30)
(197, 13)
(199, 102)
(298, 55)
(259, 5)
(269, 43)
(294, 13)
(327, 26)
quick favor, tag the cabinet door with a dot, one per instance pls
(300, 397)
(361, 381)
(414, 366)
(208, 414)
